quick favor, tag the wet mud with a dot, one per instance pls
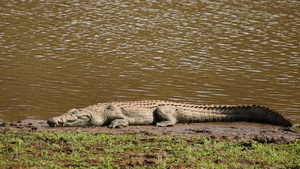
(226, 131)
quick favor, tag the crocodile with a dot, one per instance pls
(164, 113)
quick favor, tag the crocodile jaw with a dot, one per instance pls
(72, 118)
(59, 122)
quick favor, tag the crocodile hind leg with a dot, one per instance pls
(166, 116)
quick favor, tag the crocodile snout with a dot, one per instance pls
(52, 122)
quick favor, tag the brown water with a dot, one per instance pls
(59, 55)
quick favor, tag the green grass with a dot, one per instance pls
(96, 150)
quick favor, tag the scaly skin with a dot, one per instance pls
(164, 113)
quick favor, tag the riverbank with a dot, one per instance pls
(34, 145)
(227, 131)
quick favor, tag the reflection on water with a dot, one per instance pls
(60, 55)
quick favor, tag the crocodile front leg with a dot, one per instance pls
(166, 116)
(116, 116)
(118, 123)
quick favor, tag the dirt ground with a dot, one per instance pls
(225, 131)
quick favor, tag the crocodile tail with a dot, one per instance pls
(253, 113)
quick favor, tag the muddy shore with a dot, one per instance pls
(226, 131)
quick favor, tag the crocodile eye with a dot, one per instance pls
(72, 113)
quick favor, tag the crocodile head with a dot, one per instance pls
(74, 117)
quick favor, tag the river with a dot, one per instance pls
(61, 55)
